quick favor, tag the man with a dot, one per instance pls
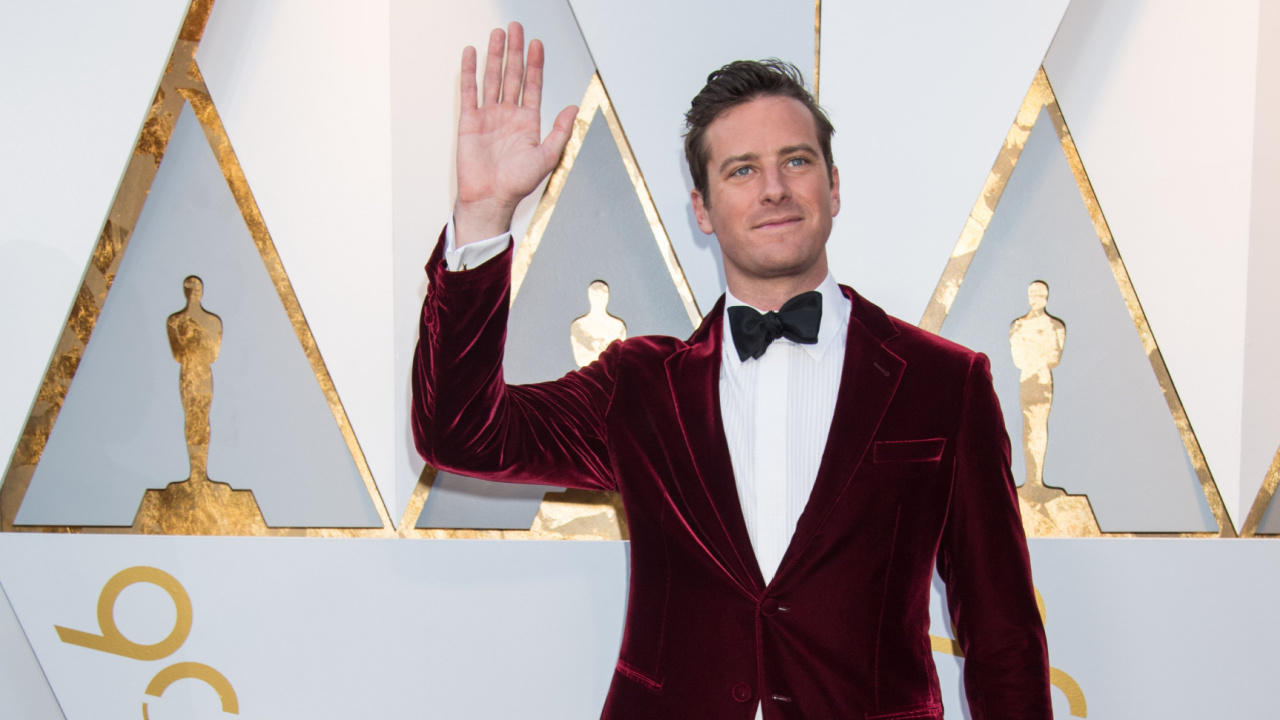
(789, 478)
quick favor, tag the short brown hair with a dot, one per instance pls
(734, 84)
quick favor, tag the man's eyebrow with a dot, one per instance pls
(734, 159)
(802, 147)
(744, 157)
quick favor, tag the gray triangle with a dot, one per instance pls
(23, 684)
(598, 231)
(1111, 435)
(120, 429)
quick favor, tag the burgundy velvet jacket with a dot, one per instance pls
(915, 471)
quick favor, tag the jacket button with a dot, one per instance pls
(769, 607)
(742, 692)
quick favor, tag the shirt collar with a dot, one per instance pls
(835, 321)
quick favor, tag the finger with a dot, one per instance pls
(493, 67)
(553, 145)
(468, 78)
(515, 63)
(532, 97)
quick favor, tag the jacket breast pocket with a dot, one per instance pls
(891, 451)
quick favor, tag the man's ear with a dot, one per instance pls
(835, 190)
(700, 212)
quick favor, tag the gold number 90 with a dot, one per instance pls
(111, 640)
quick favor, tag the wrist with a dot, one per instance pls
(480, 220)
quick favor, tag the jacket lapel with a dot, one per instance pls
(867, 385)
(711, 499)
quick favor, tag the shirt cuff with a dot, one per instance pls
(472, 254)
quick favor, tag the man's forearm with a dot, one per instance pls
(466, 419)
(459, 354)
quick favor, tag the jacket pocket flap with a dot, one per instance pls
(637, 676)
(931, 711)
(908, 450)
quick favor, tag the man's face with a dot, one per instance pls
(769, 201)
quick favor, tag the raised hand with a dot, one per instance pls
(500, 158)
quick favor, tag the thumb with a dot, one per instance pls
(553, 144)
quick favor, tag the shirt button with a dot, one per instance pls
(769, 607)
(742, 692)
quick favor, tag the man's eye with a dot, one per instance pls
(797, 161)
(740, 171)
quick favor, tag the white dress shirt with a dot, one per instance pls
(777, 412)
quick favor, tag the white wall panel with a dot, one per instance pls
(77, 81)
(320, 628)
(303, 89)
(1150, 628)
(653, 58)
(1159, 97)
(470, 629)
(1261, 417)
(426, 52)
(922, 95)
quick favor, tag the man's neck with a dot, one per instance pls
(771, 293)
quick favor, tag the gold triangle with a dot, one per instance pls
(570, 514)
(1041, 95)
(817, 46)
(1262, 501)
(196, 506)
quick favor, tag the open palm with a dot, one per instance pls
(501, 156)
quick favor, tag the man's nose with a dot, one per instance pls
(774, 189)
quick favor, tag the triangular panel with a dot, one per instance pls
(1079, 376)
(248, 389)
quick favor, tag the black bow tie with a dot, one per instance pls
(797, 321)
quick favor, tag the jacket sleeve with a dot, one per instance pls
(467, 420)
(985, 565)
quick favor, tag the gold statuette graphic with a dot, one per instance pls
(195, 336)
(1036, 341)
(592, 333)
(587, 513)
(197, 505)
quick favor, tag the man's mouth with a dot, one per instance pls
(778, 222)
